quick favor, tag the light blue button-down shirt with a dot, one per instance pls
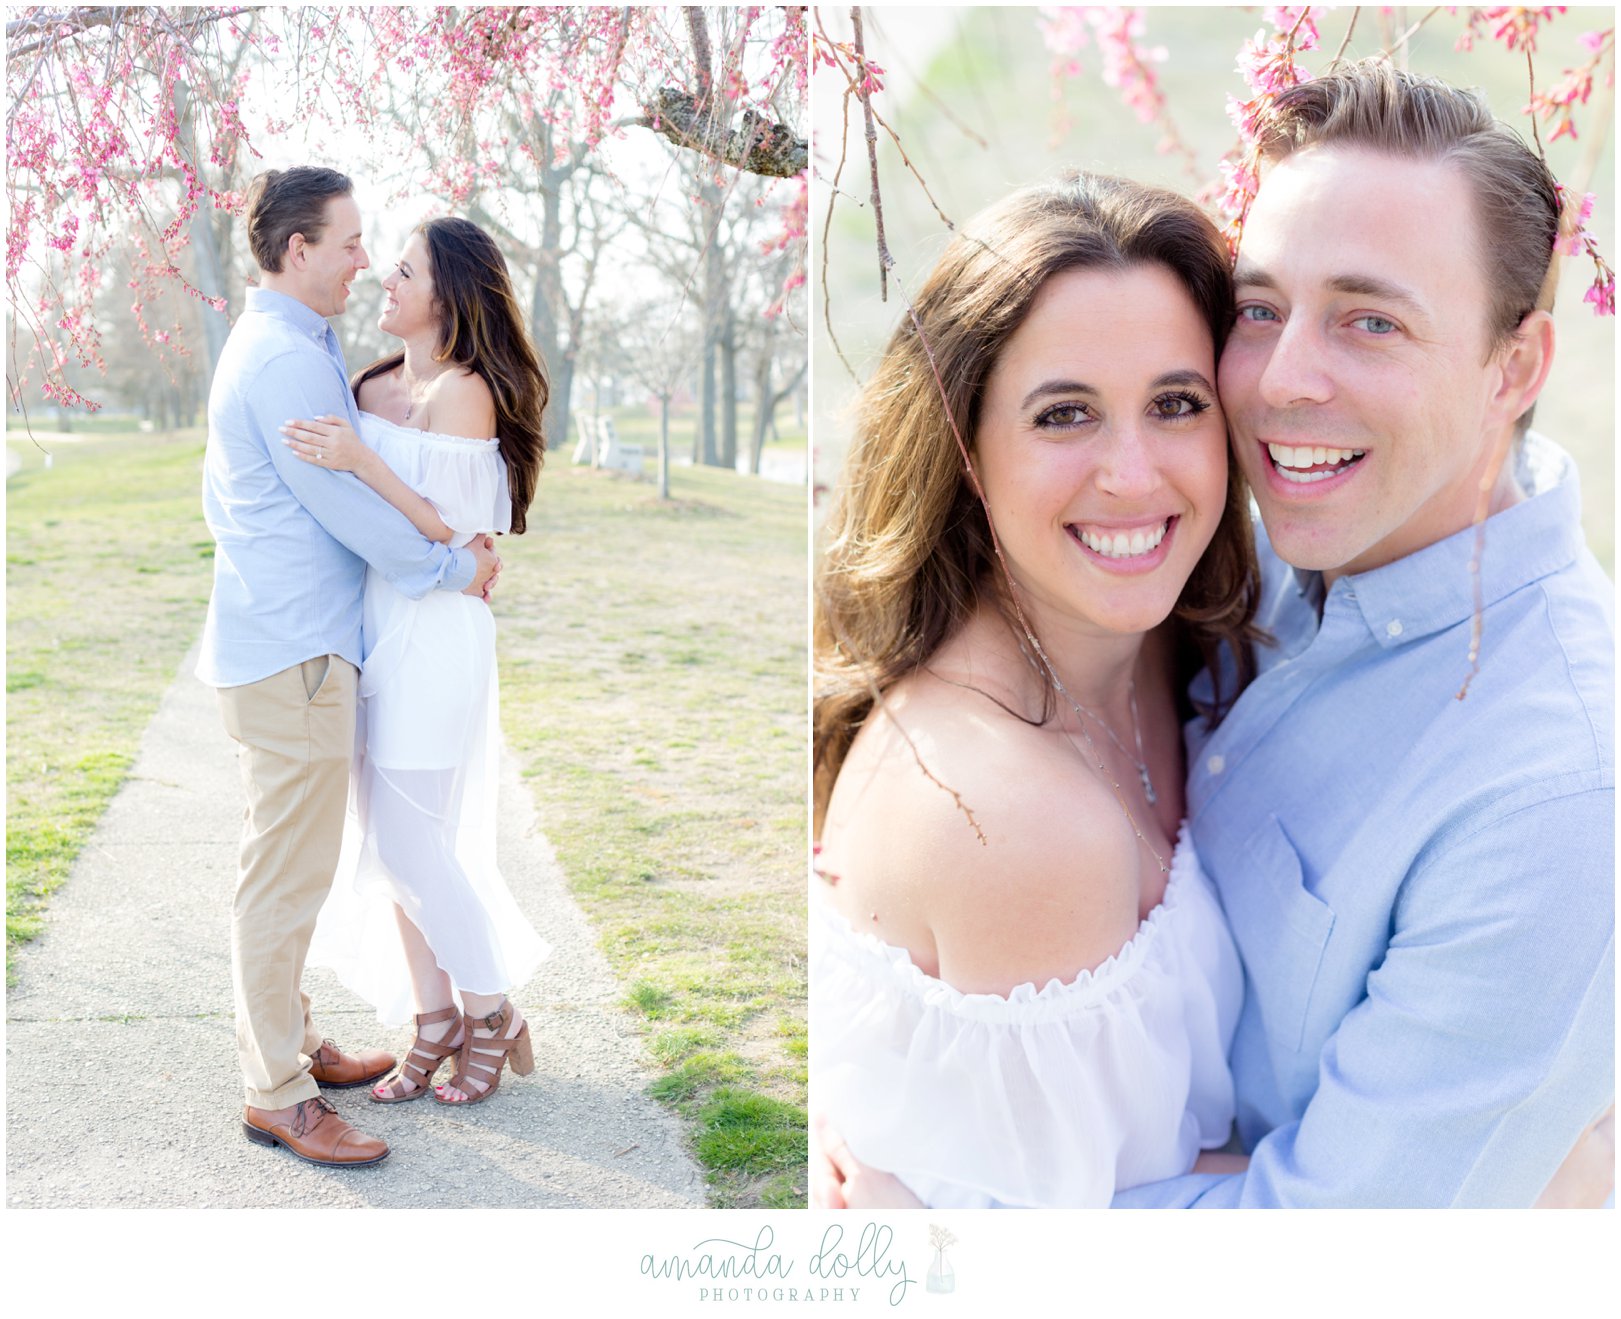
(292, 541)
(1422, 888)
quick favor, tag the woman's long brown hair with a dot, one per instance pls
(908, 545)
(481, 328)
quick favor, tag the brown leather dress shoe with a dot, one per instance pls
(313, 1131)
(337, 1070)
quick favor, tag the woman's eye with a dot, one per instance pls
(1375, 324)
(1062, 414)
(1177, 406)
(1257, 313)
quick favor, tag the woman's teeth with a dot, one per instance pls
(1124, 544)
(1300, 464)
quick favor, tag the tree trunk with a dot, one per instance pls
(664, 446)
(549, 307)
(706, 406)
(557, 406)
(762, 410)
(728, 392)
(714, 313)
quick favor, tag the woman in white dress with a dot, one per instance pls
(451, 436)
(1022, 988)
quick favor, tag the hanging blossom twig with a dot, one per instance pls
(1515, 26)
(826, 51)
(1127, 66)
(1267, 64)
(1574, 87)
(864, 91)
(863, 79)
(1519, 29)
(1575, 238)
(880, 703)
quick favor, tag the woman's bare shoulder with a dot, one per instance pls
(375, 391)
(460, 403)
(993, 833)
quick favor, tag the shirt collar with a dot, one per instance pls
(1433, 588)
(291, 310)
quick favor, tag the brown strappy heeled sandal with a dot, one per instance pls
(422, 1061)
(515, 1050)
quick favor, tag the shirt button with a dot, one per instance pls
(1216, 764)
(1393, 628)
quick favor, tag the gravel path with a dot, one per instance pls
(121, 1080)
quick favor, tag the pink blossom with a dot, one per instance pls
(1602, 295)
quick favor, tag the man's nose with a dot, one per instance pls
(361, 261)
(1294, 371)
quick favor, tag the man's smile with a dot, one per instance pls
(1293, 466)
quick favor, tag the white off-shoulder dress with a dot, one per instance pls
(1046, 1098)
(422, 808)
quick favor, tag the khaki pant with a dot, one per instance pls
(295, 732)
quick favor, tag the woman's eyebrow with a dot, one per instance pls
(1055, 387)
(1186, 376)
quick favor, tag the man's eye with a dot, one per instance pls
(1257, 314)
(1375, 324)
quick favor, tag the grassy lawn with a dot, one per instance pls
(108, 569)
(653, 688)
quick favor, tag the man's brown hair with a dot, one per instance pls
(1373, 105)
(284, 202)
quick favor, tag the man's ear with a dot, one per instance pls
(295, 251)
(1523, 367)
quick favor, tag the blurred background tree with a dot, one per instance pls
(132, 133)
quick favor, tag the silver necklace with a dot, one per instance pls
(1139, 760)
(1136, 733)
(1097, 756)
(410, 399)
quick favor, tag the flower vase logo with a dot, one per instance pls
(942, 1277)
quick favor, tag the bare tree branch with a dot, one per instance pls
(757, 147)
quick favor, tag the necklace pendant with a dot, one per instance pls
(1148, 787)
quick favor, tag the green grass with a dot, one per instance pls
(107, 576)
(108, 569)
(653, 688)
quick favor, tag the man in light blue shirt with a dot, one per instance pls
(1409, 815)
(282, 640)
